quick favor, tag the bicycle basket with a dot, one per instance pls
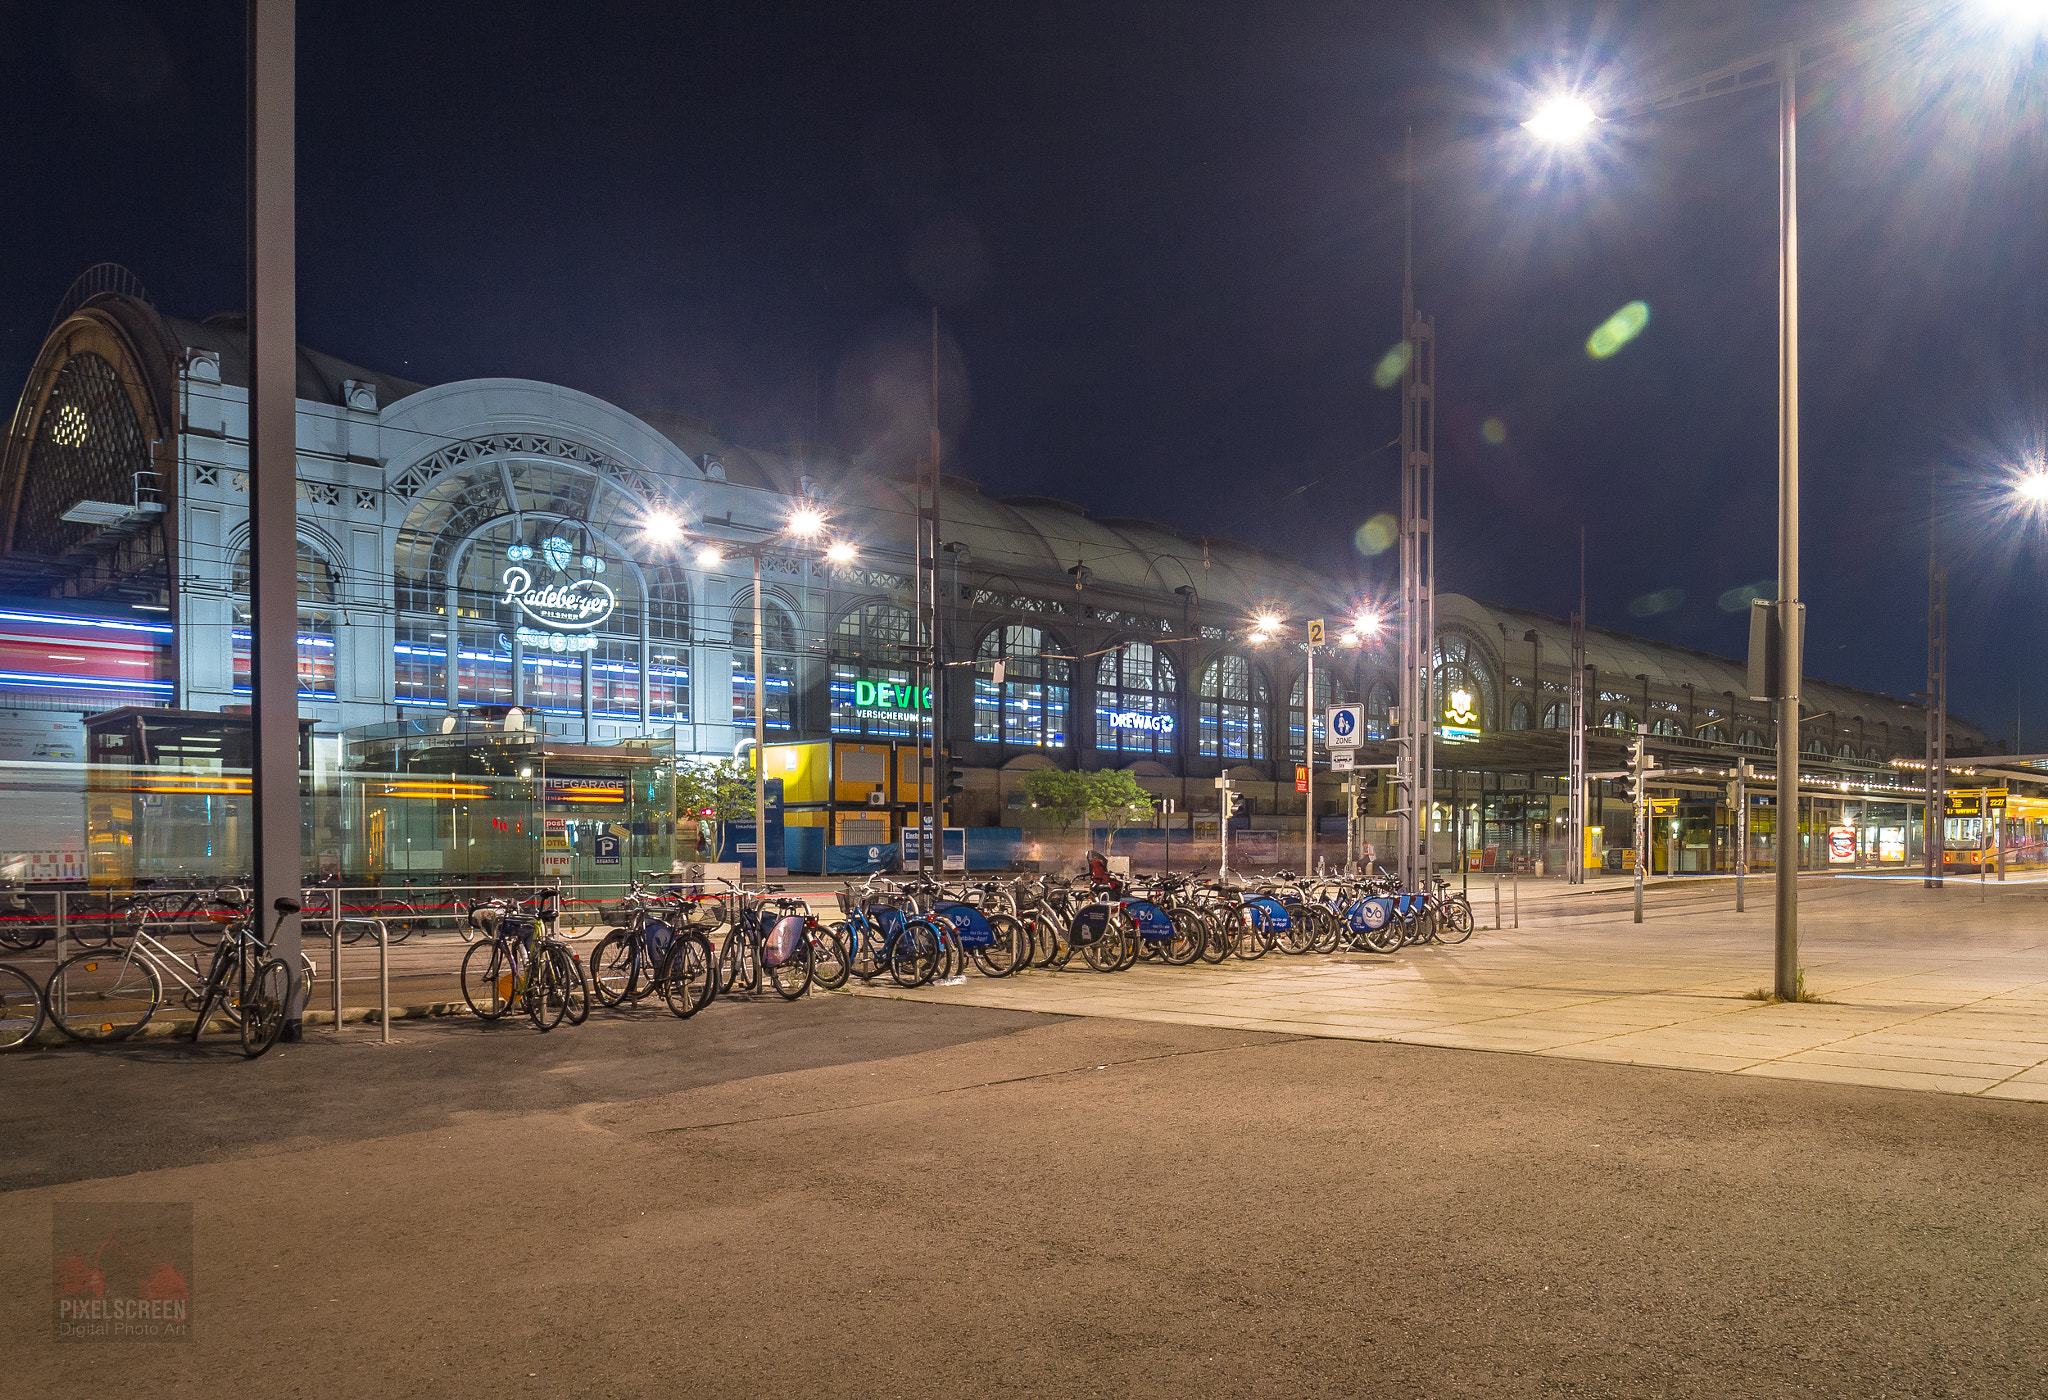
(785, 936)
(701, 912)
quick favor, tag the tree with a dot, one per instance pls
(1062, 795)
(1115, 797)
(718, 791)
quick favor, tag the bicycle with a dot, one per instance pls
(246, 978)
(101, 996)
(640, 958)
(519, 966)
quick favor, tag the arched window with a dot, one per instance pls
(1846, 751)
(1135, 700)
(1329, 691)
(1816, 746)
(1619, 719)
(1751, 739)
(1231, 721)
(1461, 669)
(1379, 708)
(1664, 725)
(1558, 715)
(89, 446)
(1030, 704)
(1872, 755)
(556, 524)
(872, 683)
(1714, 734)
(778, 658)
(318, 592)
(1519, 719)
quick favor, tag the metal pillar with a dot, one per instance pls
(1418, 560)
(1934, 833)
(760, 736)
(273, 480)
(1575, 868)
(1790, 610)
(1308, 758)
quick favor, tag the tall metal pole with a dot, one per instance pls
(1575, 797)
(273, 479)
(760, 736)
(1789, 607)
(1308, 758)
(938, 673)
(1934, 824)
(1418, 555)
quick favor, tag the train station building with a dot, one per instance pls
(480, 547)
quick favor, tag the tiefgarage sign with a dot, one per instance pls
(1139, 719)
(890, 698)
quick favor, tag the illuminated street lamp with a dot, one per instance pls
(1564, 119)
(805, 523)
(2033, 487)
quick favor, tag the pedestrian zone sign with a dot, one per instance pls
(1343, 726)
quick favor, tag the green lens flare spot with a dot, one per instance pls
(1493, 432)
(1387, 373)
(1377, 535)
(1618, 330)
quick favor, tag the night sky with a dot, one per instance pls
(1165, 243)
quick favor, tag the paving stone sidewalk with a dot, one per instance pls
(1932, 990)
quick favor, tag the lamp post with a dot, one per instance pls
(1570, 118)
(805, 524)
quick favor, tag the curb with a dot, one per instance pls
(165, 1028)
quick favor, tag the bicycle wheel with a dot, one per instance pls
(490, 978)
(1106, 954)
(830, 966)
(1186, 944)
(1454, 924)
(615, 968)
(577, 989)
(687, 981)
(102, 997)
(263, 1005)
(547, 988)
(1007, 952)
(400, 918)
(1215, 937)
(913, 955)
(1329, 930)
(792, 976)
(1299, 936)
(21, 1008)
(1251, 941)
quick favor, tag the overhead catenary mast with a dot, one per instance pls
(1414, 774)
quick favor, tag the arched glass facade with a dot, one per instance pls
(1030, 704)
(1231, 709)
(318, 592)
(1134, 681)
(778, 659)
(515, 572)
(867, 653)
(1330, 690)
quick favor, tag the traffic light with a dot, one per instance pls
(955, 782)
(1240, 805)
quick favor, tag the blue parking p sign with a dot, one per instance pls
(608, 847)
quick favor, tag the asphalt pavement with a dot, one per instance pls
(983, 1203)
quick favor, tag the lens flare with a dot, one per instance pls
(2033, 487)
(1618, 330)
(662, 526)
(1656, 604)
(1387, 373)
(1493, 432)
(1737, 599)
(1377, 535)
